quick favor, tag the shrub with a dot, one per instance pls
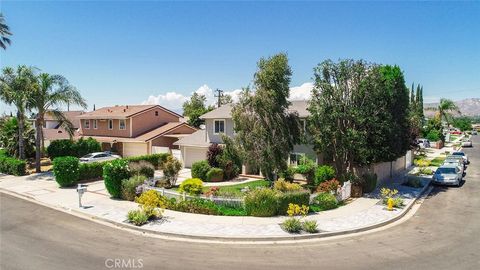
(156, 160)
(141, 167)
(12, 166)
(215, 175)
(329, 186)
(171, 166)
(192, 186)
(86, 146)
(422, 162)
(293, 197)
(292, 225)
(261, 203)
(61, 148)
(89, 171)
(198, 206)
(137, 217)
(307, 169)
(231, 211)
(213, 153)
(425, 171)
(326, 201)
(434, 135)
(284, 186)
(200, 169)
(151, 203)
(113, 174)
(129, 186)
(324, 173)
(310, 226)
(369, 182)
(66, 170)
(297, 210)
(230, 160)
(288, 174)
(414, 182)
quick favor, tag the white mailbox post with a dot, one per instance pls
(82, 188)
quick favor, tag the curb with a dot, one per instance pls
(229, 239)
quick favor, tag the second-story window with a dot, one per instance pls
(87, 124)
(110, 124)
(156, 113)
(218, 126)
(95, 124)
(121, 124)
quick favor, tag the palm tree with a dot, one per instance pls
(444, 109)
(16, 86)
(4, 33)
(52, 91)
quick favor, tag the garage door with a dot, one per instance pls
(192, 155)
(134, 149)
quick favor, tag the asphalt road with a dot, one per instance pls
(443, 234)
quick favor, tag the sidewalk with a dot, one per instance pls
(360, 213)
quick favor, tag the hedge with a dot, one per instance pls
(62, 148)
(12, 166)
(155, 159)
(90, 171)
(113, 174)
(215, 175)
(295, 197)
(200, 169)
(66, 170)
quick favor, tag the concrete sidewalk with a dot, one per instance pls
(360, 213)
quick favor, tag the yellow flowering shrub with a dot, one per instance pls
(297, 210)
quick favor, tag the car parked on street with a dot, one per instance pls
(474, 132)
(423, 143)
(448, 175)
(455, 161)
(467, 143)
(456, 132)
(459, 158)
(463, 155)
(99, 157)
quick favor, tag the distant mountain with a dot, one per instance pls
(468, 107)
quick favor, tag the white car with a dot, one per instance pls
(99, 157)
(455, 161)
(423, 143)
(467, 143)
(463, 155)
(448, 175)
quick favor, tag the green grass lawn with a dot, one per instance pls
(235, 190)
(453, 137)
(437, 161)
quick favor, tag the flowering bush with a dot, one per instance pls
(213, 191)
(284, 186)
(151, 203)
(297, 210)
(192, 186)
(113, 174)
(329, 186)
(66, 170)
(387, 194)
(422, 162)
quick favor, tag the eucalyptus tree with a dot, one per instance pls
(16, 87)
(266, 130)
(52, 92)
(4, 33)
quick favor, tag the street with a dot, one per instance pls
(443, 234)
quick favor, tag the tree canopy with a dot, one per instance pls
(194, 108)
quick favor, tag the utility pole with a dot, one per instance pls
(219, 95)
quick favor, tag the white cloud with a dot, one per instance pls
(174, 100)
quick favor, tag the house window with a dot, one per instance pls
(110, 124)
(87, 124)
(296, 158)
(121, 124)
(218, 126)
(95, 124)
(156, 113)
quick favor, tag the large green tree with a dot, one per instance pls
(4, 33)
(359, 113)
(266, 129)
(445, 109)
(52, 92)
(194, 108)
(9, 137)
(16, 87)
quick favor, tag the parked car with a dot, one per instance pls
(463, 155)
(99, 157)
(467, 143)
(448, 175)
(474, 132)
(423, 143)
(456, 132)
(455, 161)
(459, 158)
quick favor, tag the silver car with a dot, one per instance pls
(460, 158)
(98, 157)
(463, 155)
(448, 175)
(467, 143)
(455, 161)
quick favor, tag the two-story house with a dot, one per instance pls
(194, 147)
(134, 130)
(53, 129)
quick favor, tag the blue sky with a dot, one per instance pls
(124, 52)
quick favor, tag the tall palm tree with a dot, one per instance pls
(444, 110)
(4, 33)
(16, 86)
(52, 91)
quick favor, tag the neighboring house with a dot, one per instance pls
(53, 130)
(134, 130)
(194, 147)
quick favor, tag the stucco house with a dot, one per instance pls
(194, 148)
(134, 130)
(52, 127)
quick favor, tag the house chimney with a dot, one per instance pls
(94, 107)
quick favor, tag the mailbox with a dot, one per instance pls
(81, 188)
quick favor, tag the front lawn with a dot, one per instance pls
(236, 190)
(437, 161)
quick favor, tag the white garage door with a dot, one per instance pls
(134, 149)
(192, 155)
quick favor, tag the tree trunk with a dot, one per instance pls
(21, 142)
(38, 145)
